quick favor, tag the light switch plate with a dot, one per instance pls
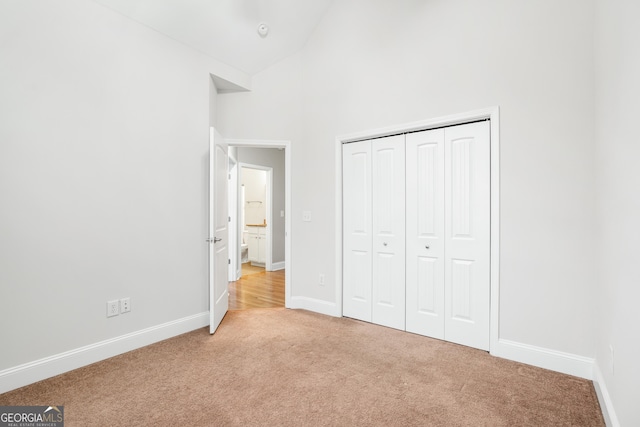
(306, 216)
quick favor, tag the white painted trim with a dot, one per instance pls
(451, 120)
(275, 266)
(286, 145)
(338, 222)
(287, 226)
(269, 219)
(566, 363)
(315, 305)
(492, 113)
(48, 367)
(494, 329)
(227, 79)
(604, 398)
(234, 248)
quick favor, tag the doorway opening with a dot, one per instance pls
(259, 229)
(255, 219)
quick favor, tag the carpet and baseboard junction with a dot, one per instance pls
(279, 367)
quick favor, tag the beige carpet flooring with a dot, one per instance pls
(277, 367)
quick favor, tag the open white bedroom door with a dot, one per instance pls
(218, 230)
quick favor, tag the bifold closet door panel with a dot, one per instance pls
(425, 233)
(467, 234)
(388, 158)
(357, 230)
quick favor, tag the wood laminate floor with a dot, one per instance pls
(257, 288)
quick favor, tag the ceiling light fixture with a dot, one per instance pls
(263, 29)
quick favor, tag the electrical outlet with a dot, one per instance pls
(125, 305)
(321, 280)
(112, 308)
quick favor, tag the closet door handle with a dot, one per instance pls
(426, 247)
(384, 243)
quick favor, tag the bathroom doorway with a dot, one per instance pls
(255, 217)
(261, 229)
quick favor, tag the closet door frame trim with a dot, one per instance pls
(491, 113)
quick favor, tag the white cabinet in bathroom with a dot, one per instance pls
(256, 237)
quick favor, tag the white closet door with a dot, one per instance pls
(388, 157)
(425, 233)
(357, 227)
(467, 234)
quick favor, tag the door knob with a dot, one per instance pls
(216, 240)
(384, 243)
(426, 247)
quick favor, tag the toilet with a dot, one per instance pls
(244, 249)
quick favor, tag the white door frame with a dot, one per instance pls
(286, 145)
(493, 114)
(233, 218)
(268, 211)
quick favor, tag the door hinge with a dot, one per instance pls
(229, 219)
(229, 261)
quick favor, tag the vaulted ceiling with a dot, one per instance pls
(227, 30)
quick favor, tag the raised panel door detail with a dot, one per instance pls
(221, 249)
(357, 231)
(388, 172)
(425, 233)
(384, 194)
(218, 230)
(461, 187)
(360, 212)
(427, 286)
(461, 289)
(221, 165)
(426, 187)
(360, 289)
(467, 234)
(423, 220)
(254, 247)
(384, 280)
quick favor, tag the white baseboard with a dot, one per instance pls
(275, 266)
(604, 398)
(316, 305)
(553, 360)
(48, 367)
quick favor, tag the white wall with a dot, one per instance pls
(213, 101)
(618, 151)
(273, 158)
(103, 120)
(372, 64)
(103, 177)
(273, 110)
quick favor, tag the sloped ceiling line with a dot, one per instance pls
(226, 30)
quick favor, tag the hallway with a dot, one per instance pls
(257, 288)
